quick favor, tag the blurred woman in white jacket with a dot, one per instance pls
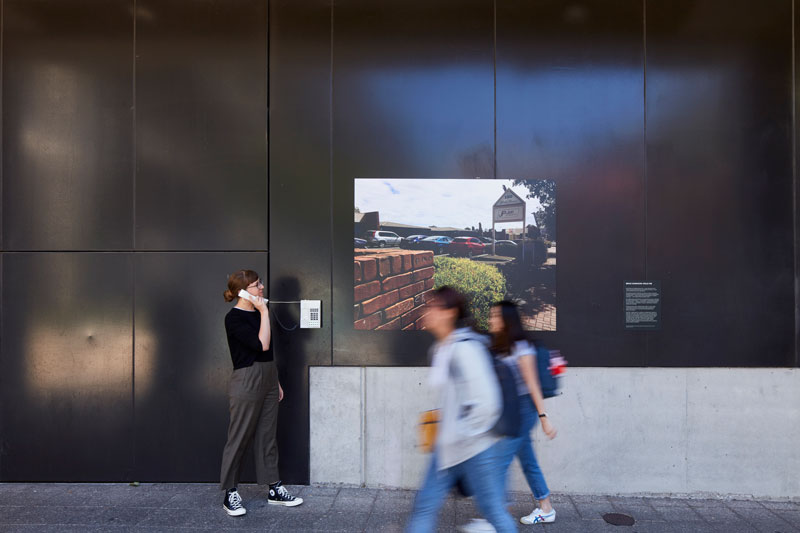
(466, 450)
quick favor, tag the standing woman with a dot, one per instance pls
(253, 395)
(508, 342)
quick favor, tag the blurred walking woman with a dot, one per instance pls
(253, 395)
(508, 342)
(465, 450)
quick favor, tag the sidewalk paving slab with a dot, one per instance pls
(193, 507)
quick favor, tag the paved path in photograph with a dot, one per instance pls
(171, 507)
(551, 256)
(544, 320)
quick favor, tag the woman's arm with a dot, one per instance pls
(264, 331)
(527, 368)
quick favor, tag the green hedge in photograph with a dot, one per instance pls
(482, 284)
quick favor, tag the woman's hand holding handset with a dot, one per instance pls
(257, 301)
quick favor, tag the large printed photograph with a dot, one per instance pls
(490, 239)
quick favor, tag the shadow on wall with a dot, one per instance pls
(289, 348)
(182, 372)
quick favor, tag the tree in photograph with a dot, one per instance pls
(545, 191)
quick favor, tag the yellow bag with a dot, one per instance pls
(428, 427)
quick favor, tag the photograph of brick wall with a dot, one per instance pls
(391, 288)
(489, 239)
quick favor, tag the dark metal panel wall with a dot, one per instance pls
(4, 358)
(796, 243)
(413, 96)
(201, 78)
(182, 362)
(686, 178)
(67, 124)
(719, 193)
(570, 108)
(300, 209)
(66, 367)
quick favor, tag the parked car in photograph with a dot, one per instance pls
(508, 248)
(438, 244)
(411, 242)
(467, 246)
(486, 240)
(359, 243)
(382, 239)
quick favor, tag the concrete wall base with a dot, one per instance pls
(687, 431)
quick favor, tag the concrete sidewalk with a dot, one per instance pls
(170, 507)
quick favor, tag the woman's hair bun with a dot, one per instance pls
(237, 281)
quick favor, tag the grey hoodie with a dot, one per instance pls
(469, 397)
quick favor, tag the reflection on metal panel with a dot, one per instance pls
(182, 362)
(201, 79)
(720, 184)
(417, 101)
(414, 98)
(67, 124)
(60, 361)
(570, 107)
(67, 367)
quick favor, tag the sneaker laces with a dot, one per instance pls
(281, 490)
(234, 500)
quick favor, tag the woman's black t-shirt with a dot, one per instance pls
(242, 329)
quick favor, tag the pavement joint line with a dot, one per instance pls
(574, 506)
(773, 514)
(698, 514)
(744, 519)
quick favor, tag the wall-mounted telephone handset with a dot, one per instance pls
(251, 297)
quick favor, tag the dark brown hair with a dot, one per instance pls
(449, 298)
(237, 281)
(512, 328)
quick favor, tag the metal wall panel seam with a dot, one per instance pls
(133, 472)
(794, 187)
(2, 55)
(644, 159)
(330, 172)
(133, 124)
(494, 84)
(2, 398)
(2, 25)
(157, 251)
(133, 262)
(266, 133)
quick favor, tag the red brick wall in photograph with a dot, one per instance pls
(391, 288)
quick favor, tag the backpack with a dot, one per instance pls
(549, 364)
(509, 423)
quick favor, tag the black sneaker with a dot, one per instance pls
(278, 495)
(233, 503)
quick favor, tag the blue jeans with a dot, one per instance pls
(522, 447)
(481, 474)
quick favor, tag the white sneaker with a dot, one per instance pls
(233, 504)
(477, 525)
(539, 517)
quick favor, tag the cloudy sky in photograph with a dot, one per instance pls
(457, 203)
